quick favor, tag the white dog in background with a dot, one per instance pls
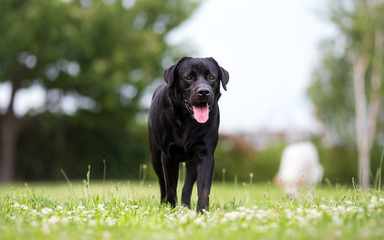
(299, 167)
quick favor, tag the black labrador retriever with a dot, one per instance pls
(183, 126)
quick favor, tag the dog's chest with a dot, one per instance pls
(185, 141)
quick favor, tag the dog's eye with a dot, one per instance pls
(211, 78)
(188, 78)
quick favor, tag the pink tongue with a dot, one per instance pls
(201, 113)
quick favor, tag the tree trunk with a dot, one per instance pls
(366, 119)
(10, 126)
(361, 125)
(374, 105)
(9, 133)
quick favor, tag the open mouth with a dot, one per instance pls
(200, 112)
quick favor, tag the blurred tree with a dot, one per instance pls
(94, 60)
(352, 63)
(237, 158)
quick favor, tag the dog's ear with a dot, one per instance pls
(224, 78)
(224, 75)
(169, 73)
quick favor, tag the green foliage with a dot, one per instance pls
(106, 40)
(358, 21)
(331, 89)
(101, 55)
(339, 162)
(336, 88)
(239, 159)
(269, 160)
(331, 92)
(74, 146)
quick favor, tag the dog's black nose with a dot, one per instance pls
(203, 91)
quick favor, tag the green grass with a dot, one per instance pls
(131, 210)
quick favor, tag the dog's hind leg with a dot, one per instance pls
(190, 179)
(156, 163)
(171, 175)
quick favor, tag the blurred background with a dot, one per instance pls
(77, 76)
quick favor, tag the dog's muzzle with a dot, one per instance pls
(200, 112)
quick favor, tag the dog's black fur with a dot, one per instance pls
(176, 136)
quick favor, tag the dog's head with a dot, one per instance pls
(196, 84)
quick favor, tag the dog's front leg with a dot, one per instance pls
(204, 182)
(190, 179)
(171, 174)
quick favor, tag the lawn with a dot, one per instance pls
(131, 210)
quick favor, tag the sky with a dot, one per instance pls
(269, 48)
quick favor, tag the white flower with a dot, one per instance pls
(64, 220)
(100, 206)
(351, 210)
(241, 208)
(80, 208)
(110, 222)
(59, 208)
(314, 214)
(183, 219)
(232, 216)
(223, 221)
(16, 205)
(53, 220)
(34, 224)
(92, 222)
(46, 211)
(373, 203)
(299, 210)
(198, 221)
(337, 220)
(249, 217)
(340, 209)
(24, 207)
(288, 213)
